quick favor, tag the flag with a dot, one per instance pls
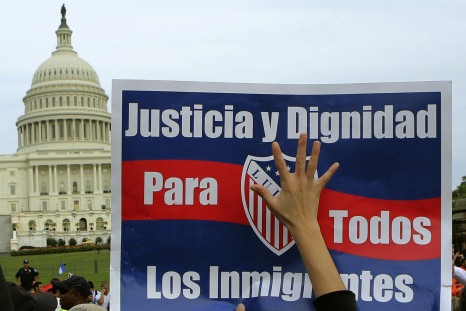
(62, 268)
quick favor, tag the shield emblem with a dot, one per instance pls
(262, 170)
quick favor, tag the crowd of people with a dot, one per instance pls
(73, 294)
(458, 294)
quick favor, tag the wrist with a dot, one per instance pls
(305, 231)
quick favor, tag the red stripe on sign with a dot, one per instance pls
(182, 189)
(202, 190)
(382, 229)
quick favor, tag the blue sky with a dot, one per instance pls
(318, 42)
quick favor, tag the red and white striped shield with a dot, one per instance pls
(261, 170)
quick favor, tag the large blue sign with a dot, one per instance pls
(189, 234)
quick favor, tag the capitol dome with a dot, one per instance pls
(65, 66)
(57, 185)
(66, 104)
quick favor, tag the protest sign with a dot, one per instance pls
(188, 234)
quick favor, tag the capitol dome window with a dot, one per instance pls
(61, 133)
(44, 206)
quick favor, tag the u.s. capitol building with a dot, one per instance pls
(57, 185)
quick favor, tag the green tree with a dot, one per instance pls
(72, 242)
(61, 242)
(460, 191)
(52, 242)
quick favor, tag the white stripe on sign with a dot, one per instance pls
(251, 199)
(268, 225)
(277, 233)
(259, 214)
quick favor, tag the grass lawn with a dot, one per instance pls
(92, 265)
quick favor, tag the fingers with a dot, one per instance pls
(265, 194)
(324, 179)
(301, 155)
(312, 165)
(280, 163)
(240, 307)
(301, 164)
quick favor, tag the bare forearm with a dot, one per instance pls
(319, 264)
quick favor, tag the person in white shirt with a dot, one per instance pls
(103, 297)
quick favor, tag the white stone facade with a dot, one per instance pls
(58, 183)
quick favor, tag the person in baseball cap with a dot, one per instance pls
(27, 276)
(73, 291)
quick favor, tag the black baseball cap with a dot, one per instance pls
(79, 283)
(25, 261)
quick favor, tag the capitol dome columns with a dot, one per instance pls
(52, 181)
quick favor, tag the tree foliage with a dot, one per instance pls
(52, 242)
(459, 192)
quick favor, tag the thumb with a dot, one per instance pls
(265, 194)
(240, 307)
